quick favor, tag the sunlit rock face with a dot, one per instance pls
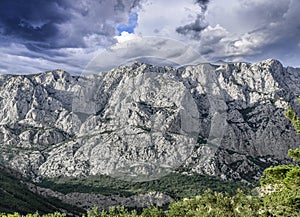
(141, 122)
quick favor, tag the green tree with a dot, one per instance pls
(294, 154)
(292, 116)
(153, 212)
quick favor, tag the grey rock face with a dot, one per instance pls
(141, 122)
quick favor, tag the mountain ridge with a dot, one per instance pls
(204, 119)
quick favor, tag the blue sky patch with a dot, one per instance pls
(130, 26)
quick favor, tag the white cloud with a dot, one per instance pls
(125, 36)
(16, 58)
(237, 29)
(161, 18)
(241, 16)
(253, 30)
(152, 50)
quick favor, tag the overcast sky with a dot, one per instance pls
(42, 35)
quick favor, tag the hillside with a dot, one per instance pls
(16, 197)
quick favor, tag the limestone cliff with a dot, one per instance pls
(141, 122)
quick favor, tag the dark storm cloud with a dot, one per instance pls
(41, 24)
(278, 35)
(202, 3)
(34, 22)
(194, 29)
(46, 34)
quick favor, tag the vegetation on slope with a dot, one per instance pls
(15, 196)
(284, 180)
(291, 115)
(282, 200)
(176, 185)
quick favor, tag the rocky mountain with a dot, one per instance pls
(141, 122)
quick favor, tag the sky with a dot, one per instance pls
(43, 35)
